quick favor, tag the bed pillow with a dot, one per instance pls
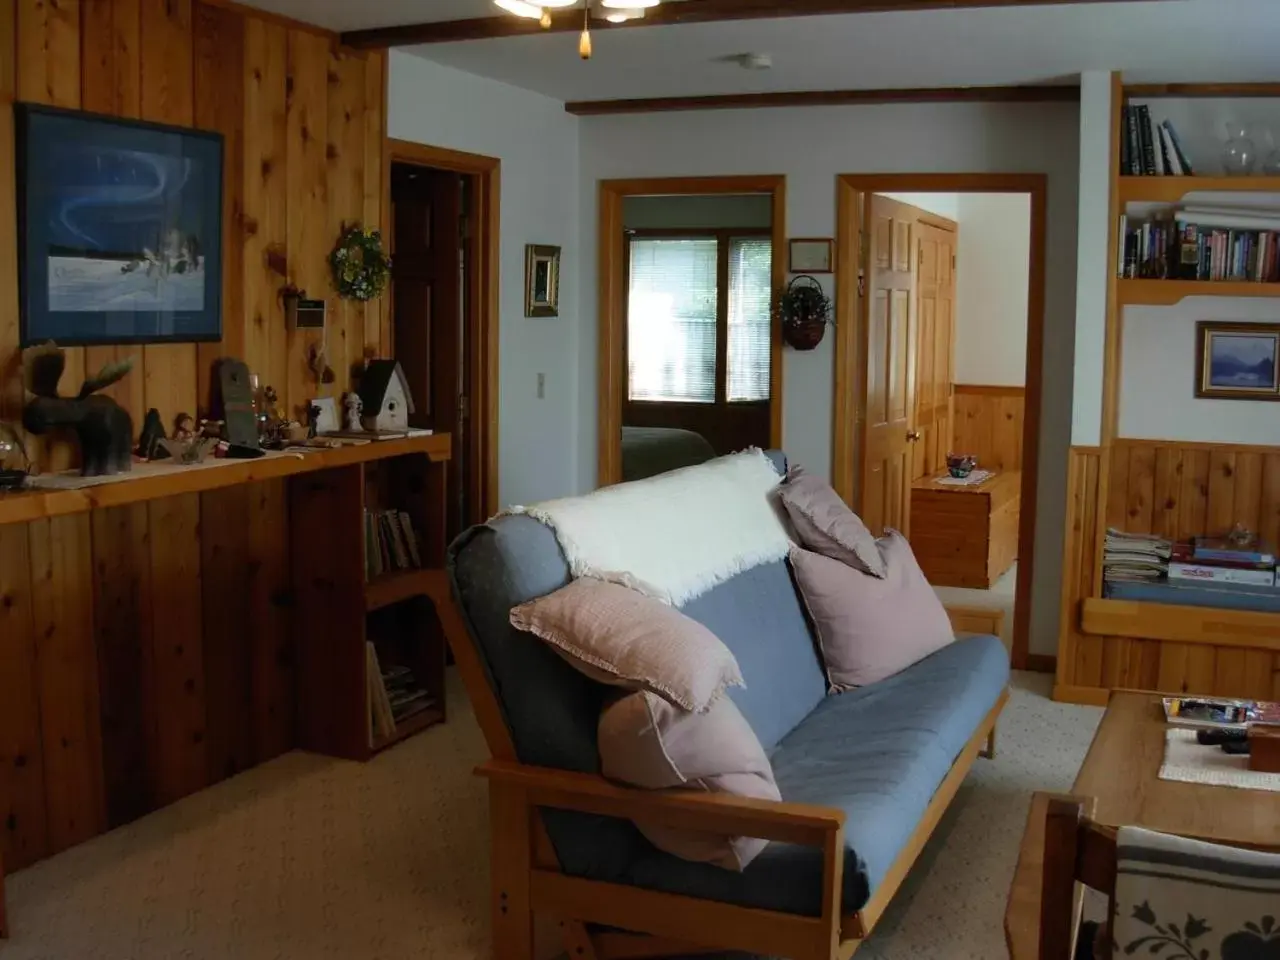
(869, 629)
(647, 742)
(624, 638)
(825, 524)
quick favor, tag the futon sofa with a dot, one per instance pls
(864, 775)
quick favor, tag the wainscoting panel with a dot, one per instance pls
(988, 424)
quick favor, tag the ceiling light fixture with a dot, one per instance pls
(530, 11)
(621, 14)
(584, 42)
(614, 11)
(629, 4)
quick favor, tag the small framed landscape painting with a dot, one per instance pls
(1237, 361)
(542, 281)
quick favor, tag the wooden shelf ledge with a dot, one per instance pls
(1173, 189)
(1165, 293)
(422, 720)
(1164, 621)
(27, 505)
(401, 585)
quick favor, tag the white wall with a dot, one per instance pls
(812, 146)
(538, 145)
(1094, 222)
(993, 262)
(943, 204)
(1158, 368)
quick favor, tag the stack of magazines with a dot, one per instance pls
(1135, 557)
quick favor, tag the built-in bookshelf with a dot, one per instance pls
(366, 568)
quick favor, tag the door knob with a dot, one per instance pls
(913, 435)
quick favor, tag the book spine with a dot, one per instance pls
(1208, 574)
(1183, 162)
(1148, 148)
(1232, 556)
(1164, 158)
(1171, 157)
(1125, 158)
(1135, 144)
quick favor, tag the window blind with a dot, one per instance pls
(750, 323)
(671, 324)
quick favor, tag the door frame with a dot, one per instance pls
(483, 305)
(851, 344)
(612, 379)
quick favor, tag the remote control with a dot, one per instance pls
(1213, 738)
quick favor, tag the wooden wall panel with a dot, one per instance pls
(67, 667)
(1080, 656)
(23, 837)
(988, 423)
(156, 641)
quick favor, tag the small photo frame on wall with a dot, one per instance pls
(1237, 361)
(541, 281)
(812, 255)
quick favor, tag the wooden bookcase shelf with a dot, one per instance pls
(395, 588)
(405, 729)
(1173, 189)
(1215, 626)
(1165, 293)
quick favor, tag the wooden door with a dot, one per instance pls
(935, 347)
(889, 376)
(428, 309)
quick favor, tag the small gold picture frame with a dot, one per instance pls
(1237, 361)
(812, 255)
(541, 281)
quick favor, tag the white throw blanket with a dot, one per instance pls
(677, 535)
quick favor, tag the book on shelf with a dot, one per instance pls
(1208, 573)
(391, 543)
(1227, 549)
(382, 715)
(1177, 248)
(1150, 148)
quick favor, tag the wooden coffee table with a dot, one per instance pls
(1120, 779)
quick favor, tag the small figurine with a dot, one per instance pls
(103, 426)
(313, 417)
(149, 447)
(355, 408)
(184, 428)
(211, 429)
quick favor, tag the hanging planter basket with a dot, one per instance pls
(804, 311)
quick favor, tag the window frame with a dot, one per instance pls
(724, 237)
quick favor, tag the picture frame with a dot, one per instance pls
(141, 262)
(1237, 361)
(811, 255)
(541, 281)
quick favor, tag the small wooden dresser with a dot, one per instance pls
(966, 536)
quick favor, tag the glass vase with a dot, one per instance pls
(1271, 157)
(1239, 152)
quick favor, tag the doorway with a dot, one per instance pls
(444, 313)
(940, 314)
(690, 354)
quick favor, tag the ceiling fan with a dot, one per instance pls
(614, 11)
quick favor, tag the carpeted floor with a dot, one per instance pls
(310, 859)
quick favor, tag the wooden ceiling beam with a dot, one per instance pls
(669, 14)
(1027, 93)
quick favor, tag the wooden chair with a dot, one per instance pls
(1076, 851)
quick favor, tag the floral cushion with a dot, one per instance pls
(1179, 899)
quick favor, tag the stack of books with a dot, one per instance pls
(1202, 243)
(1222, 562)
(390, 543)
(395, 695)
(1148, 148)
(1135, 557)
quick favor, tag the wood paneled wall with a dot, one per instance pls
(147, 650)
(989, 423)
(1174, 489)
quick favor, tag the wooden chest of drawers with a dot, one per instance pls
(966, 536)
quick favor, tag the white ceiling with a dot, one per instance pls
(1169, 40)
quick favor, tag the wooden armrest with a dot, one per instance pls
(712, 812)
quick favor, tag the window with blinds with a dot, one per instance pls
(674, 321)
(671, 323)
(749, 327)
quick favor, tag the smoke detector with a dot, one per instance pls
(752, 61)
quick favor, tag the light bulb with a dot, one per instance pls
(530, 11)
(623, 14)
(556, 4)
(584, 44)
(545, 22)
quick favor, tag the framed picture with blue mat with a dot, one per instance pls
(1237, 361)
(119, 229)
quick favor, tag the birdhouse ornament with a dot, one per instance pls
(384, 392)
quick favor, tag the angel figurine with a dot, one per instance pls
(355, 408)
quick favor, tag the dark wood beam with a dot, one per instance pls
(669, 14)
(827, 98)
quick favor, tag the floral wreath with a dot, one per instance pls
(360, 265)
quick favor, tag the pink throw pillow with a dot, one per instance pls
(647, 742)
(869, 629)
(825, 524)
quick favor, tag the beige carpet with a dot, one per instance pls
(309, 859)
